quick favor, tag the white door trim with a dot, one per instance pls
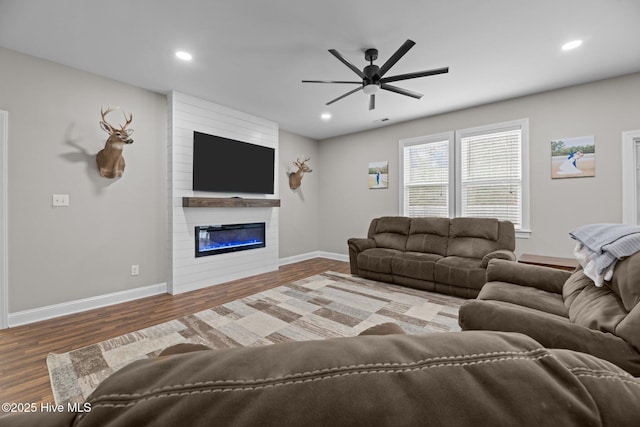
(4, 254)
(629, 179)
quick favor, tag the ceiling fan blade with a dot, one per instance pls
(330, 81)
(400, 91)
(344, 96)
(372, 102)
(396, 57)
(347, 63)
(415, 75)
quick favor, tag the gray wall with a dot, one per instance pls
(300, 208)
(58, 255)
(604, 109)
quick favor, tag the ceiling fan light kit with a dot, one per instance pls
(373, 76)
(371, 89)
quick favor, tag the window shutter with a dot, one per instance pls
(426, 179)
(491, 176)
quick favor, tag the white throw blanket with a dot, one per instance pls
(600, 246)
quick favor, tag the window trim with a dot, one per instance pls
(455, 138)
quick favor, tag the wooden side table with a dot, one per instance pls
(568, 264)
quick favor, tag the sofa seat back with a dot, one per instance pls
(461, 237)
(476, 237)
(390, 232)
(429, 235)
(612, 308)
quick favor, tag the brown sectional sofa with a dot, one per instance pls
(455, 379)
(435, 254)
(560, 309)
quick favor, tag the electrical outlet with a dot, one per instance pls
(135, 269)
(60, 200)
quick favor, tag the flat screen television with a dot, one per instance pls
(229, 166)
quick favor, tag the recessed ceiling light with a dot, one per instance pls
(325, 116)
(185, 56)
(572, 45)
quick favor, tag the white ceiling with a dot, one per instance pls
(251, 55)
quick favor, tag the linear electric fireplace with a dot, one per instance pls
(219, 239)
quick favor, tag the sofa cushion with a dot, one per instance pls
(526, 296)
(483, 228)
(391, 232)
(460, 271)
(628, 328)
(626, 284)
(393, 224)
(626, 281)
(390, 241)
(377, 259)
(469, 247)
(590, 306)
(430, 225)
(414, 264)
(573, 286)
(476, 237)
(428, 235)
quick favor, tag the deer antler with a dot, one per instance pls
(104, 120)
(300, 163)
(128, 120)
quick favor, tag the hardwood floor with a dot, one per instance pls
(23, 349)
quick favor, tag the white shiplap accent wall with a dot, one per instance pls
(186, 272)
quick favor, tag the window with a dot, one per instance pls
(427, 165)
(476, 172)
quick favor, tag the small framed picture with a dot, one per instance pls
(378, 175)
(573, 157)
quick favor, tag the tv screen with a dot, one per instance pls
(230, 166)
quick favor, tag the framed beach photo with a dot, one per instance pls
(378, 175)
(573, 157)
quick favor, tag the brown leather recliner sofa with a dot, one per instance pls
(456, 379)
(435, 254)
(560, 309)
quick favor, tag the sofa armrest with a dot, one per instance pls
(357, 245)
(361, 244)
(549, 330)
(499, 254)
(535, 276)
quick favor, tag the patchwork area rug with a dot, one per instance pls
(324, 306)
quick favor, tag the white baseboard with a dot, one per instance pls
(334, 256)
(71, 307)
(311, 255)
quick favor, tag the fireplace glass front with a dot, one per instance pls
(218, 239)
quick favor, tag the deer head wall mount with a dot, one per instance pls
(295, 178)
(109, 159)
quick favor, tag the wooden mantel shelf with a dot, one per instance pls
(228, 202)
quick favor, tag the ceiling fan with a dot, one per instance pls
(373, 76)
